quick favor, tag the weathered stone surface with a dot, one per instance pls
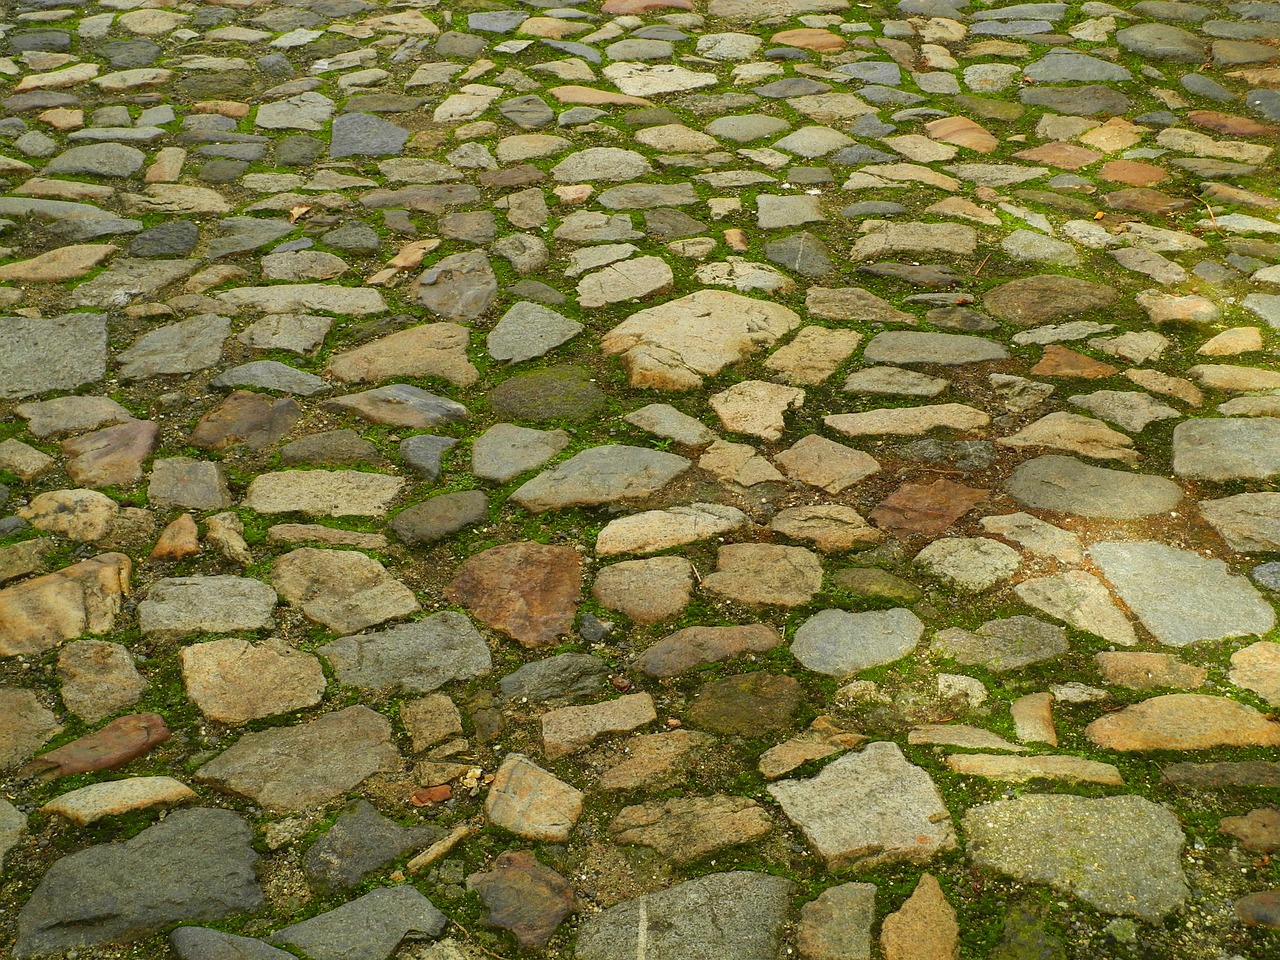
(970, 564)
(737, 914)
(657, 760)
(647, 591)
(344, 590)
(1249, 522)
(118, 797)
(368, 928)
(85, 597)
(98, 679)
(196, 865)
(529, 591)
(1122, 855)
(696, 646)
(1001, 645)
(1183, 721)
(232, 681)
(202, 943)
(687, 828)
(1227, 449)
(1066, 485)
(599, 475)
(840, 643)
(121, 740)
(523, 896)
(571, 729)
(74, 514)
(294, 768)
(532, 803)
(1079, 599)
(57, 353)
(416, 657)
(1180, 596)
(675, 345)
(360, 842)
(323, 493)
(765, 574)
(748, 705)
(421, 352)
(564, 675)
(655, 530)
(924, 928)
(180, 606)
(869, 808)
(25, 725)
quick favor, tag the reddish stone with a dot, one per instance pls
(120, 741)
(1067, 156)
(1258, 830)
(524, 897)
(1058, 361)
(926, 509)
(1260, 909)
(111, 457)
(250, 419)
(1230, 124)
(1132, 172)
(811, 38)
(529, 591)
(431, 795)
(1144, 200)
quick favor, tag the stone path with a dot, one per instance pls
(659, 478)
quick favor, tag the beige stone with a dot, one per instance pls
(531, 803)
(571, 729)
(825, 464)
(430, 350)
(1183, 721)
(924, 928)
(1022, 769)
(84, 598)
(114, 798)
(233, 681)
(813, 354)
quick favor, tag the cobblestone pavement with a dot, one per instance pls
(682, 479)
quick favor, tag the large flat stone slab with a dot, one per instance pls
(1180, 596)
(675, 345)
(1066, 485)
(1122, 855)
(1243, 448)
(323, 493)
(195, 865)
(288, 769)
(38, 354)
(869, 808)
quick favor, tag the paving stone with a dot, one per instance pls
(646, 591)
(846, 813)
(360, 842)
(524, 896)
(322, 493)
(98, 679)
(118, 797)
(1066, 485)
(839, 643)
(1183, 721)
(416, 657)
(195, 865)
(368, 928)
(1180, 596)
(765, 574)
(344, 590)
(59, 353)
(288, 769)
(563, 675)
(1072, 844)
(232, 681)
(181, 606)
(528, 591)
(604, 474)
(1002, 645)
(1079, 599)
(530, 802)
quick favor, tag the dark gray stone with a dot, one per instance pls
(568, 675)
(174, 238)
(193, 865)
(201, 943)
(298, 151)
(355, 237)
(422, 454)
(360, 842)
(370, 928)
(332, 448)
(440, 517)
(366, 135)
(801, 252)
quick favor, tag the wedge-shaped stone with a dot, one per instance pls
(532, 803)
(38, 614)
(1079, 599)
(113, 798)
